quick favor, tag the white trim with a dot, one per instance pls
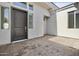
(65, 7)
(0, 18)
(10, 20)
(74, 19)
(19, 40)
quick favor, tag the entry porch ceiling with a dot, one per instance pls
(46, 5)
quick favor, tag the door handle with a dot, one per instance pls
(25, 28)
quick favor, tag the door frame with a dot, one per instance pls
(12, 21)
(45, 19)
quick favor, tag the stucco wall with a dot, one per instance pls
(38, 23)
(52, 24)
(38, 28)
(5, 35)
(62, 24)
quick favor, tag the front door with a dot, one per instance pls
(19, 24)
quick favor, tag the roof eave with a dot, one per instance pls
(66, 7)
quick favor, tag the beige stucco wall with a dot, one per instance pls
(38, 23)
(5, 34)
(62, 24)
(38, 28)
(52, 24)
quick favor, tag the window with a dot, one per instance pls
(4, 15)
(30, 20)
(20, 4)
(24, 3)
(73, 19)
(77, 20)
(30, 7)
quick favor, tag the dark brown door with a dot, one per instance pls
(19, 24)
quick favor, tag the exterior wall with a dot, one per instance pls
(52, 21)
(38, 24)
(38, 28)
(52, 24)
(5, 34)
(62, 24)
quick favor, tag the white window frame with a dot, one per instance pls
(2, 19)
(29, 19)
(76, 11)
(68, 19)
(75, 19)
